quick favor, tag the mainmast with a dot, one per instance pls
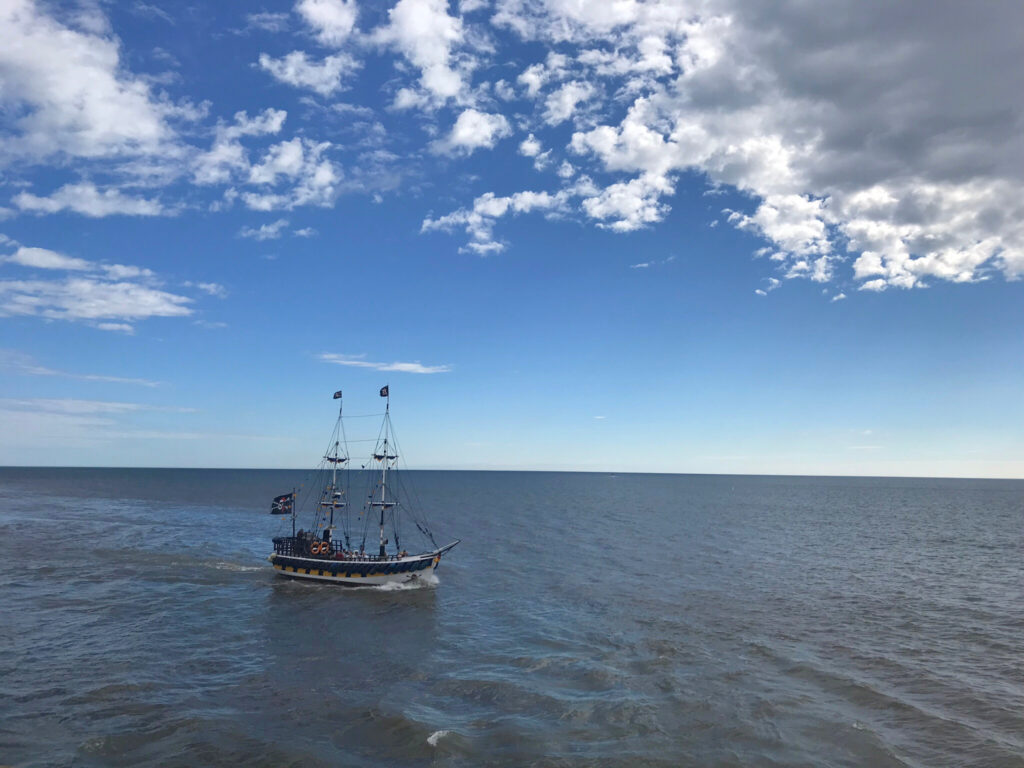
(332, 496)
(384, 457)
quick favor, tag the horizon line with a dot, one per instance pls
(548, 471)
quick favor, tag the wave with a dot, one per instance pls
(423, 582)
(436, 736)
(235, 567)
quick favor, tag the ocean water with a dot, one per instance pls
(584, 620)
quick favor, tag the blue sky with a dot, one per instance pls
(707, 236)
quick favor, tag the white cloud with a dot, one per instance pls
(125, 271)
(655, 263)
(357, 361)
(106, 296)
(270, 231)
(479, 221)
(530, 146)
(504, 91)
(629, 205)
(298, 70)
(88, 298)
(560, 105)
(67, 92)
(117, 327)
(227, 158)
(287, 158)
(873, 137)
(42, 258)
(473, 130)
(310, 178)
(214, 289)
(331, 20)
(424, 32)
(536, 76)
(86, 199)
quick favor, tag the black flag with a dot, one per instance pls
(282, 505)
(337, 395)
(383, 391)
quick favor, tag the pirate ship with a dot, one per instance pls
(333, 548)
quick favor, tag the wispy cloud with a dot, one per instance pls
(18, 362)
(213, 289)
(653, 263)
(267, 22)
(107, 296)
(357, 361)
(84, 407)
(86, 199)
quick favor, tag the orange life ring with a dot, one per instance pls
(317, 548)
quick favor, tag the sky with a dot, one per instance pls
(710, 236)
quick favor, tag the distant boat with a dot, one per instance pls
(333, 549)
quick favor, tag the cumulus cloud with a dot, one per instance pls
(227, 157)
(296, 173)
(478, 222)
(286, 175)
(473, 130)
(426, 35)
(530, 146)
(561, 104)
(865, 137)
(358, 361)
(298, 70)
(68, 94)
(332, 20)
(878, 149)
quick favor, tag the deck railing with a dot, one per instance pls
(300, 546)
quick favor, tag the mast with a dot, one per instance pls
(331, 498)
(384, 457)
(384, 468)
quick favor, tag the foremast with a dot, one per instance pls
(332, 498)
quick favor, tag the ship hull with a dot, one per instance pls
(358, 573)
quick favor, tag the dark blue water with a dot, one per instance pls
(585, 620)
